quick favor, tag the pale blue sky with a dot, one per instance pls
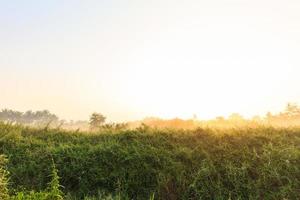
(131, 59)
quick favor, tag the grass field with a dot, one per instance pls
(147, 163)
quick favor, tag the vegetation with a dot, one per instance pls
(28, 117)
(97, 120)
(3, 179)
(53, 191)
(147, 163)
(290, 116)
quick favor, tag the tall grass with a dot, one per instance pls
(3, 179)
(243, 163)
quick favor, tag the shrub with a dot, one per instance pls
(244, 163)
(52, 193)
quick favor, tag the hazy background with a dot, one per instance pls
(131, 59)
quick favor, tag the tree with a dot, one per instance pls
(292, 110)
(236, 117)
(256, 118)
(44, 117)
(29, 117)
(10, 116)
(96, 120)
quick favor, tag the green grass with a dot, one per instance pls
(3, 179)
(243, 163)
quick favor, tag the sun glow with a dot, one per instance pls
(151, 58)
(206, 91)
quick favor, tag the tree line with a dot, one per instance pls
(289, 116)
(28, 117)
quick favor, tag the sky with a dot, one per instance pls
(132, 59)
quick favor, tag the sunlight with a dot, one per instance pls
(206, 91)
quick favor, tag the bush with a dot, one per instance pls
(53, 191)
(244, 163)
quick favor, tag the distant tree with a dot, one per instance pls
(29, 117)
(11, 116)
(45, 117)
(220, 119)
(256, 118)
(115, 126)
(292, 110)
(195, 117)
(96, 120)
(269, 116)
(236, 117)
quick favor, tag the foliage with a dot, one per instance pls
(28, 117)
(243, 163)
(53, 191)
(3, 179)
(96, 120)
